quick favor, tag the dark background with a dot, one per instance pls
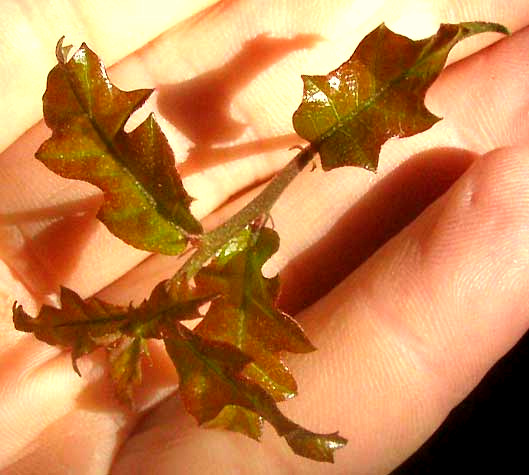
(488, 431)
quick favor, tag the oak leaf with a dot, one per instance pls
(82, 325)
(125, 366)
(246, 315)
(86, 325)
(211, 379)
(376, 94)
(145, 203)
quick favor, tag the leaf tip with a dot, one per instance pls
(318, 447)
(310, 347)
(21, 320)
(76, 366)
(61, 52)
(485, 27)
(371, 166)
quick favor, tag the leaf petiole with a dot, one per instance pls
(212, 241)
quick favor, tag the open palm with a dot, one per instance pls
(411, 283)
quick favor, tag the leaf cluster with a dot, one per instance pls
(231, 370)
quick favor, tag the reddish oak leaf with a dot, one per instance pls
(377, 94)
(145, 203)
(211, 379)
(82, 325)
(169, 300)
(85, 325)
(172, 302)
(245, 314)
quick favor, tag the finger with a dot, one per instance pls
(44, 254)
(30, 30)
(351, 216)
(46, 258)
(326, 234)
(74, 421)
(402, 340)
(444, 298)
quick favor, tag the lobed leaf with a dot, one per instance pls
(377, 94)
(82, 325)
(86, 325)
(245, 314)
(145, 203)
(211, 379)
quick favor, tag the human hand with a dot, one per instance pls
(401, 340)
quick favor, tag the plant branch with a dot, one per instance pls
(211, 242)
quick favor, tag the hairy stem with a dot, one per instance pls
(211, 242)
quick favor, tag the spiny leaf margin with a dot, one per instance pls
(85, 325)
(377, 94)
(145, 203)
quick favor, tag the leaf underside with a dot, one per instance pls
(376, 94)
(145, 203)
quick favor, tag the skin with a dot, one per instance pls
(411, 283)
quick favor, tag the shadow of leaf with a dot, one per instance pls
(46, 260)
(200, 108)
(384, 211)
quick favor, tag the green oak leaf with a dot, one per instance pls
(125, 366)
(145, 203)
(377, 94)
